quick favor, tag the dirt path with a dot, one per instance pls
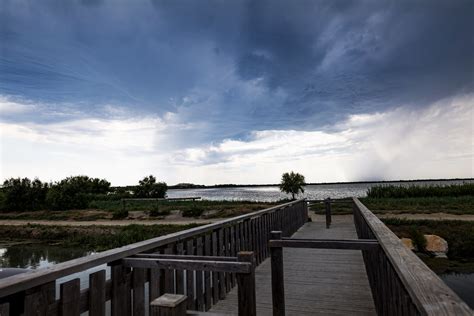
(109, 222)
(186, 221)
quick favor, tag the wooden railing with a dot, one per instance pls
(401, 283)
(242, 266)
(34, 292)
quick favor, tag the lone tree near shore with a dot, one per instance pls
(292, 183)
(149, 188)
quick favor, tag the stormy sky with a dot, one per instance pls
(236, 91)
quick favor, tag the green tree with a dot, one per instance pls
(75, 192)
(149, 188)
(292, 183)
(23, 194)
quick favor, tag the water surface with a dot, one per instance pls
(272, 193)
(462, 284)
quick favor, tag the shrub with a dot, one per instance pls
(156, 212)
(120, 214)
(193, 212)
(419, 240)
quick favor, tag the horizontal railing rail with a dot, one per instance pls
(249, 232)
(401, 283)
(356, 244)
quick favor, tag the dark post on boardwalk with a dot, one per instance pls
(260, 157)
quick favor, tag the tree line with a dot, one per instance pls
(76, 192)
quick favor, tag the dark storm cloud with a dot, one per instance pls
(240, 65)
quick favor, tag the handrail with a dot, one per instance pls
(24, 281)
(426, 291)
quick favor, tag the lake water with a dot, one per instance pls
(462, 284)
(40, 255)
(272, 193)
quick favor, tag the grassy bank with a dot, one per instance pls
(454, 199)
(105, 209)
(221, 207)
(452, 205)
(94, 238)
(458, 234)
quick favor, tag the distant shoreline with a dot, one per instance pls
(198, 186)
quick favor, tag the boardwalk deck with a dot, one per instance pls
(317, 281)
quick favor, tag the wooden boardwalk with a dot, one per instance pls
(317, 281)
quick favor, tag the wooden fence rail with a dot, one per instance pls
(401, 283)
(243, 266)
(34, 292)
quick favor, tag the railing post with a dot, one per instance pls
(327, 203)
(278, 284)
(38, 299)
(120, 291)
(169, 305)
(305, 212)
(246, 286)
(5, 309)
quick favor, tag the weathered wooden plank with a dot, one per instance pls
(258, 234)
(70, 295)
(326, 244)
(168, 274)
(207, 274)
(278, 283)
(149, 263)
(215, 276)
(5, 309)
(97, 293)
(190, 251)
(246, 286)
(169, 305)
(184, 257)
(227, 254)
(38, 299)
(233, 251)
(138, 286)
(199, 277)
(179, 273)
(221, 246)
(154, 282)
(121, 298)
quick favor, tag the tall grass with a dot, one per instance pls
(453, 205)
(184, 206)
(94, 238)
(394, 191)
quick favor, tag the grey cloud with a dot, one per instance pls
(312, 62)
